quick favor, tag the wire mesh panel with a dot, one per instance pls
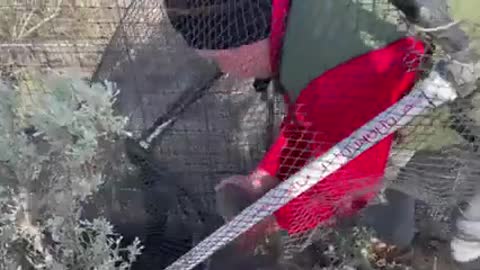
(259, 134)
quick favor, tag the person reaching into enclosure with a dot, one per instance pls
(338, 64)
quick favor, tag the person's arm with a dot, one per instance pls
(435, 19)
(434, 14)
(237, 192)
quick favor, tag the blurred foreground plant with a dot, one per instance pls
(57, 134)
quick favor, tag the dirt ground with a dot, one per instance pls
(432, 255)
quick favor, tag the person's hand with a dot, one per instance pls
(237, 192)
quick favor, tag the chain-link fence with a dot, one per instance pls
(188, 74)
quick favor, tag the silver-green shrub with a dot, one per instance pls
(57, 134)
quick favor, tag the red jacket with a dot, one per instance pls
(328, 110)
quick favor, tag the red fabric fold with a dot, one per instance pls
(328, 110)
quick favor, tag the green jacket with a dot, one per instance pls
(322, 34)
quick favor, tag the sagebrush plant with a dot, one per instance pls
(57, 133)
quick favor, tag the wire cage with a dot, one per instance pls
(200, 124)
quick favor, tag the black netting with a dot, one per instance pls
(220, 24)
(198, 114)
